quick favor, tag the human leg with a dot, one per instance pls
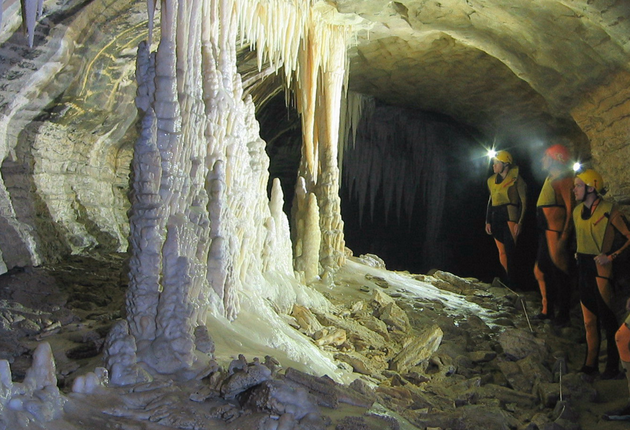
(563, 302)
(510, 253)
(587, 287)
(608, 320)
(591, 328)
(542, 286)
(558, 274)
(541, 257)
(622, 339)
(502, 254)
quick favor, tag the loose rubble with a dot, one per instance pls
(417, 363)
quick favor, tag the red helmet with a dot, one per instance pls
(558, 152)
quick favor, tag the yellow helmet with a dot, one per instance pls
(592, 179)
(504, 157)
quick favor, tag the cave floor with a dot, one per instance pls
(73, 305)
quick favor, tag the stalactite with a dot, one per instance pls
(151, 5)
(353, 107)
(402, 154)
(30, 12)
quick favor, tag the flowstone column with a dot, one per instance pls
(201, 224)
(327, 190)
(320, 106)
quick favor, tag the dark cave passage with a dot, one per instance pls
(440, 222)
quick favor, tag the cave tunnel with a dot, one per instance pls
(487, 80)
(139, 154)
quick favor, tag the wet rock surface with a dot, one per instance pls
(418, 362)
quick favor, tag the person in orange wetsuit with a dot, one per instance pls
(595, 221)
(622, 339)
(506, 210)
(554, 211)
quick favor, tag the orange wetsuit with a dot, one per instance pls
(553, 212)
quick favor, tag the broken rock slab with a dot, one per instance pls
(515, 377)
(305, 319)
(278, 397)
(362, 364)
(464, 285)
(518, 344)
(523, 374)
(330, 336)
(394, 316)
(574, 388)
(358, 334)
(482, 356)
(417, 349)
(371, 260)
(241, 380)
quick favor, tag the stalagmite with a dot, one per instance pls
(37, 398)
(41, 374)
(202, 227)
(311, 240)
(91, 382)
(306, 235)
(278, 250)
(6, 385)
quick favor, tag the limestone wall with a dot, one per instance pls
(66, 111)
(604, 115)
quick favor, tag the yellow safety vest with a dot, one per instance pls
(547, 195)
(499, 192)
(590, 232)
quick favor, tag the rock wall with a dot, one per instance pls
(66, 110)
(604, 116)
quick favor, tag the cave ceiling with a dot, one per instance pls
(500, 66)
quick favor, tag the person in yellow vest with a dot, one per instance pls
(554, 211)
(595, 221)
(506, 210)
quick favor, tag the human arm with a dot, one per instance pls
(619, 223)
(521, 187)
(488, 226)
(616, 222)
(565, 191)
